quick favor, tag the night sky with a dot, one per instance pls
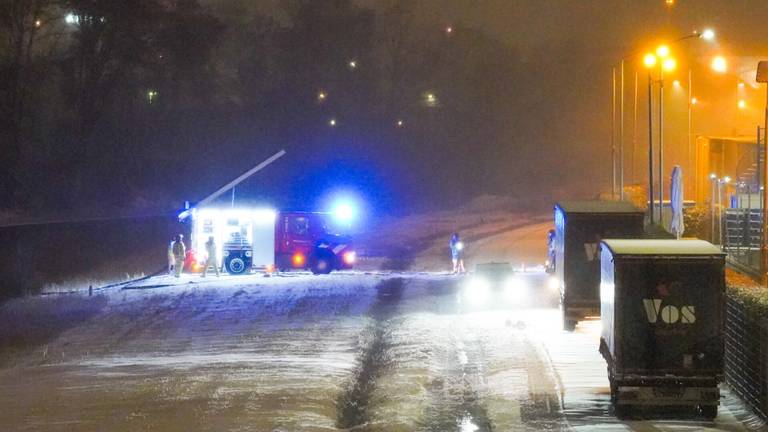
(514, 99)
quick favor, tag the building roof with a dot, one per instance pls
(598, 207)
(662, 247)
(744, 139)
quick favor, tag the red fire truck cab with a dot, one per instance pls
(266, 240)
(306, 240)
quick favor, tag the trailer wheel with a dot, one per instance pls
(708, 412)
(236, 265)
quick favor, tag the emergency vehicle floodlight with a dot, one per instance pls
(344, 212)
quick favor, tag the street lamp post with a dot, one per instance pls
(649, 61)
(691, 167)
(661, 146)
(713, 179)
(613, 136)
(707, 35)
(762, 77)
(621, 137)
(667, 63)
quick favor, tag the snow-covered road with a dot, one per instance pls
(363, 351)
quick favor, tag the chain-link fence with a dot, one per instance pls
(746, 355)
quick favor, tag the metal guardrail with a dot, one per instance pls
(746, 355)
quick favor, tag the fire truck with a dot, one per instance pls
(265, 240)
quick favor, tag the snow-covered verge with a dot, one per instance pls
(274, 351)
(493, 229)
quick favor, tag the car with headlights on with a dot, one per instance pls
(490, 286)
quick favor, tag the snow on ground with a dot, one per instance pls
(375, 350)
(421, 242)
(380, 351)
(269, 351)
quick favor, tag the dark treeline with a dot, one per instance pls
(140, 104)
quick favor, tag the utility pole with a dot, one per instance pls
(634, 133)
(613, 135)
(691, 167)
(650, 148)
(621, 137)
(661, 148)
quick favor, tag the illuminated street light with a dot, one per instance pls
(399, 123)
(662, 51)
(38, 23)
(430, 99)
(742, 104)
(669, 64)
(352, 64)
(152, 95)
(708, 34)
(719, 64)
(321, 95)
(72, 19)
(741, 85)
(449, 30)
(676, 83)
(694, 101)
(332, 122)
(649, 60)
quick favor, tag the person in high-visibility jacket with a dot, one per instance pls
(212, 260)
(171, 259)
(179, 253)
(457, 253)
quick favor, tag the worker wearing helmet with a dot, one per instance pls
(179, 252)
(212, 259)
(457, 253)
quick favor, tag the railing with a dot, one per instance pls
(742, 236)
(740, 219)
(746, 355)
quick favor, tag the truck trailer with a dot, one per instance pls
(264, 239)
(579, 227)
(662, 312)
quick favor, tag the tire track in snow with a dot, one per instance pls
(354, 405)
(543, 408)
(455, 399)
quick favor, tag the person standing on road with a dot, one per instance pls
(179, 252)
(212, 260)
(171, 259)
(457, 253)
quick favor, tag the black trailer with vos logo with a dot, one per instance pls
(579, 227)
(662, 312)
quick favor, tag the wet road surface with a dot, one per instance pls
(369, 352)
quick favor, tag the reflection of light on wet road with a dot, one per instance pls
(463, 357)
(466, 425)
